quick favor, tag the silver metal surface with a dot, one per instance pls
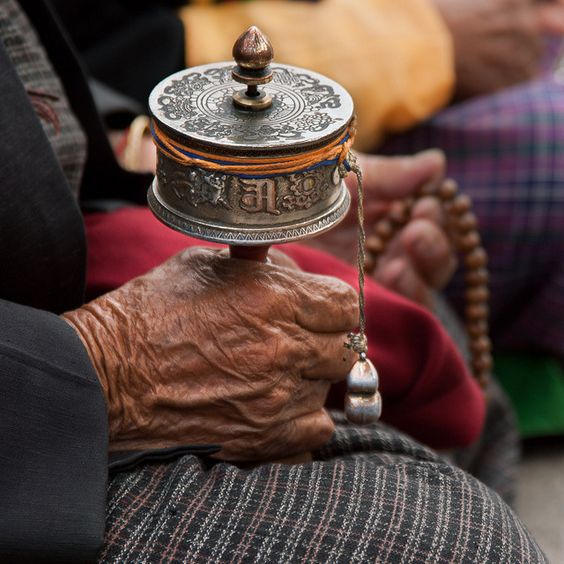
(247, 211)
(363, 409)
(363, 378)
(197, 105)
(230, 229)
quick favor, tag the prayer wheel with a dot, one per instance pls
(247, 167)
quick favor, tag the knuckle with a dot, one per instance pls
(289, 346)
(347, 298)
(323, 431)
(280, 259)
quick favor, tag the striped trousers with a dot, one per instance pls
(372, 495)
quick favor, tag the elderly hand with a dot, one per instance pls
(497, 43)
(210, 350)
(421, 258)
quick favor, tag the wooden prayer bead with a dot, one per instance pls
(369, 262)
(448, 190)
(477, 311)
(469, 241)
(481, 345)
(399, 213)
(477, 328)
(384, 229)
(374, 244)
(467, 222)
(477, 294)
(477, 277)
(460, 205)
(428, 189)
(482, 363)
(476, 259)
(483, 379)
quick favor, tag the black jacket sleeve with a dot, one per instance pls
(53, 452)
(53, 422)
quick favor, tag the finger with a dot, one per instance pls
(391, 178)
(308, 397)
(399, 276)
(279, 258)
(285, 402)
(323, 304)
(327, 357)
(309, 432)
(430, 251)
(430, 209)
(274, 256)
(302, 434)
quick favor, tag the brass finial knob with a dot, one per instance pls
(253, 54)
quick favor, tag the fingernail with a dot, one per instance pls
(435, 157)
(435, 153)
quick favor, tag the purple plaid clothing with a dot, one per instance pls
(507, 153)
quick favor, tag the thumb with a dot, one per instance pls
(390, 178)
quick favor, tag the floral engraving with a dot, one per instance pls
(304, 192)
(201, 103)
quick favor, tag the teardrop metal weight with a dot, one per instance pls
(363, 403)
(363, 378)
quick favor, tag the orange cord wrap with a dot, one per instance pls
(336, 150)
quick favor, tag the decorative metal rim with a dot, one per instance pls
(246, 236)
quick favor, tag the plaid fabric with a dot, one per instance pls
(507, 152)
(44, 90)
(373, 496)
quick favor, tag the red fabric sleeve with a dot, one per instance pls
(427, 389)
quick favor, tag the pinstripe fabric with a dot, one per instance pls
(373, 496)
(507, 152)
(45, 91)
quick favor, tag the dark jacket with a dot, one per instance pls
(53, 424)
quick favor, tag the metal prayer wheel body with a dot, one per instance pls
(195, 109)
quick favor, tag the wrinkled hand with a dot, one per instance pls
(497, 43)
(209, 350)
(421, 258)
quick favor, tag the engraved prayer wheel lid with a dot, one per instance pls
(239, 166)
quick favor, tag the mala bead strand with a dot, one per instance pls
(458, 208)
